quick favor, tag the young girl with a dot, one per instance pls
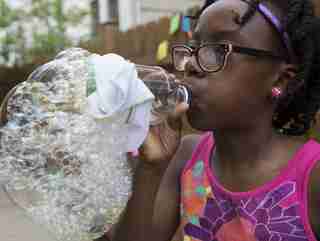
(252, 68)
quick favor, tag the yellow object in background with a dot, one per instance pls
(163, 50)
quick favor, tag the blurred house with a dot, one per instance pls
(134, 28)
(127, 14)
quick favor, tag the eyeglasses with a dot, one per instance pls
(213, 57)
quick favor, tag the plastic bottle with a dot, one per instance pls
(168, 93)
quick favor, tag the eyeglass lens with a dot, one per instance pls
(181, 57)
(210, 57)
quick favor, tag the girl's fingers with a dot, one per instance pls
(174, 119)
(180, 110)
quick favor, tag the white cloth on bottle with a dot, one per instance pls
(120, 96)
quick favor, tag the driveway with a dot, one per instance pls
(15, 226)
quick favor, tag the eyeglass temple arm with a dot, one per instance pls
(256, 52)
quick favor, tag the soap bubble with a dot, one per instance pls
(64, 168)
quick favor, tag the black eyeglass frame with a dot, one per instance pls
(228, 49)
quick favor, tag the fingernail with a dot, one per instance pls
(134, 153)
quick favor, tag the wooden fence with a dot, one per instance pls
(9, 77)
(139, 44)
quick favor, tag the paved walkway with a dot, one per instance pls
(15, 226)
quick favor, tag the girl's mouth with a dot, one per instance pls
(194, 104)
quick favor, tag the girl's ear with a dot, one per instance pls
(287, 74)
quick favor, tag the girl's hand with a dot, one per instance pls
(163, 139)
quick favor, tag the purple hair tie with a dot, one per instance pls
(273, 20)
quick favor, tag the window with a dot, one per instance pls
(113, 10)
(95, 16)
(107, 11)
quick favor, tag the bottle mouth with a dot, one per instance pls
(185, 94)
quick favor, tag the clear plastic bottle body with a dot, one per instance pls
(168, 93)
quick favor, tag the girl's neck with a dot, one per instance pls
(243, 160)
(240, 146)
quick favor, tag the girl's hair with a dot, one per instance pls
(295, 112)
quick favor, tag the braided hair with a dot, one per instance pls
(296, 110)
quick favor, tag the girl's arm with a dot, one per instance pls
(153, 210)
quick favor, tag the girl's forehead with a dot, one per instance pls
(220, 17)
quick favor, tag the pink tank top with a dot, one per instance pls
(276, 211)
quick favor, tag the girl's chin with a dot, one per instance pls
(198, 121)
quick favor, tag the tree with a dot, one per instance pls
(38, 31)
(8, 18)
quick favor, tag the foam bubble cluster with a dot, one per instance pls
(65, 169)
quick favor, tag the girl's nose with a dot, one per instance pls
(192, 67)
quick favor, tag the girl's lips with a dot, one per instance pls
(194, 97)
(194, 104)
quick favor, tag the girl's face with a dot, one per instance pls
(236, 97)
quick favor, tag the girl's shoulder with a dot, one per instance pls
(312, 191)
(307, 167)
(189, 144)
(184, 153)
